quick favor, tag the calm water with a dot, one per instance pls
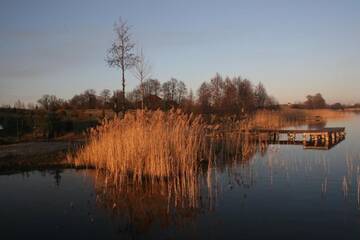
(278, 191)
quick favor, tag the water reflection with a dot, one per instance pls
(139, 206)
(317, 124)
(253, 185)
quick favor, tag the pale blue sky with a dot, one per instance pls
(293, 47)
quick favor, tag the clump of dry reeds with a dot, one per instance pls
(147, 145)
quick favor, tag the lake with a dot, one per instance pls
(276, 191)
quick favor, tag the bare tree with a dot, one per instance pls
(142, 71)
(90, 96)
(260, 95)
(152, 87)
(50, 102)
(229, 102)
(315, 101)
(121, 55)
(217, 91)
(105, 95)
(19, 105)
(204, 98)
(169, 88)
(246, 98)
(181, 91)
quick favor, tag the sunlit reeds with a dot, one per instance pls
(171, 145)
(147, 144)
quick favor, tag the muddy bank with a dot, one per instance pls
(36, 155)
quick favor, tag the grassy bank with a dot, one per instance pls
(36, 155)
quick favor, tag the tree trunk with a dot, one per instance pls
(123, 91)
(142, 94)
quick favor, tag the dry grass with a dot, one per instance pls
(153, 144)
(288, 117)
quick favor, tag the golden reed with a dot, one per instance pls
(149, 146)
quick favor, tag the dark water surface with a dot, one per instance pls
(280, 192)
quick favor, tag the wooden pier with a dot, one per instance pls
(324, 138)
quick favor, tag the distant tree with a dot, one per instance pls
(105, 95)
(337, 106)
(315, 101)
(19, 105)
(169, 89)
(188, 104)
(152, 87)
(174, 91)
(246, 98)
(230, 104)
(79, 101)
(135, 96)
(260, 95)
(90, 96)
(204, 98)
(217, 87)
(142, 72)
(117, 101)
(121, 55)
(44, 101)
(181, 91)
(50, 102)
(229, 96)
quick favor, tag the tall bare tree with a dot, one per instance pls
(142, 71)
(121, 55)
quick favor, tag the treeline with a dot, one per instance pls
(218, 96)
(24, 124)
(317, 101)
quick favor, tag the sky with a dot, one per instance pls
(294, 48)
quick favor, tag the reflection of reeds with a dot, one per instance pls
(358, 190)
(137, 207)
(345, 187)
